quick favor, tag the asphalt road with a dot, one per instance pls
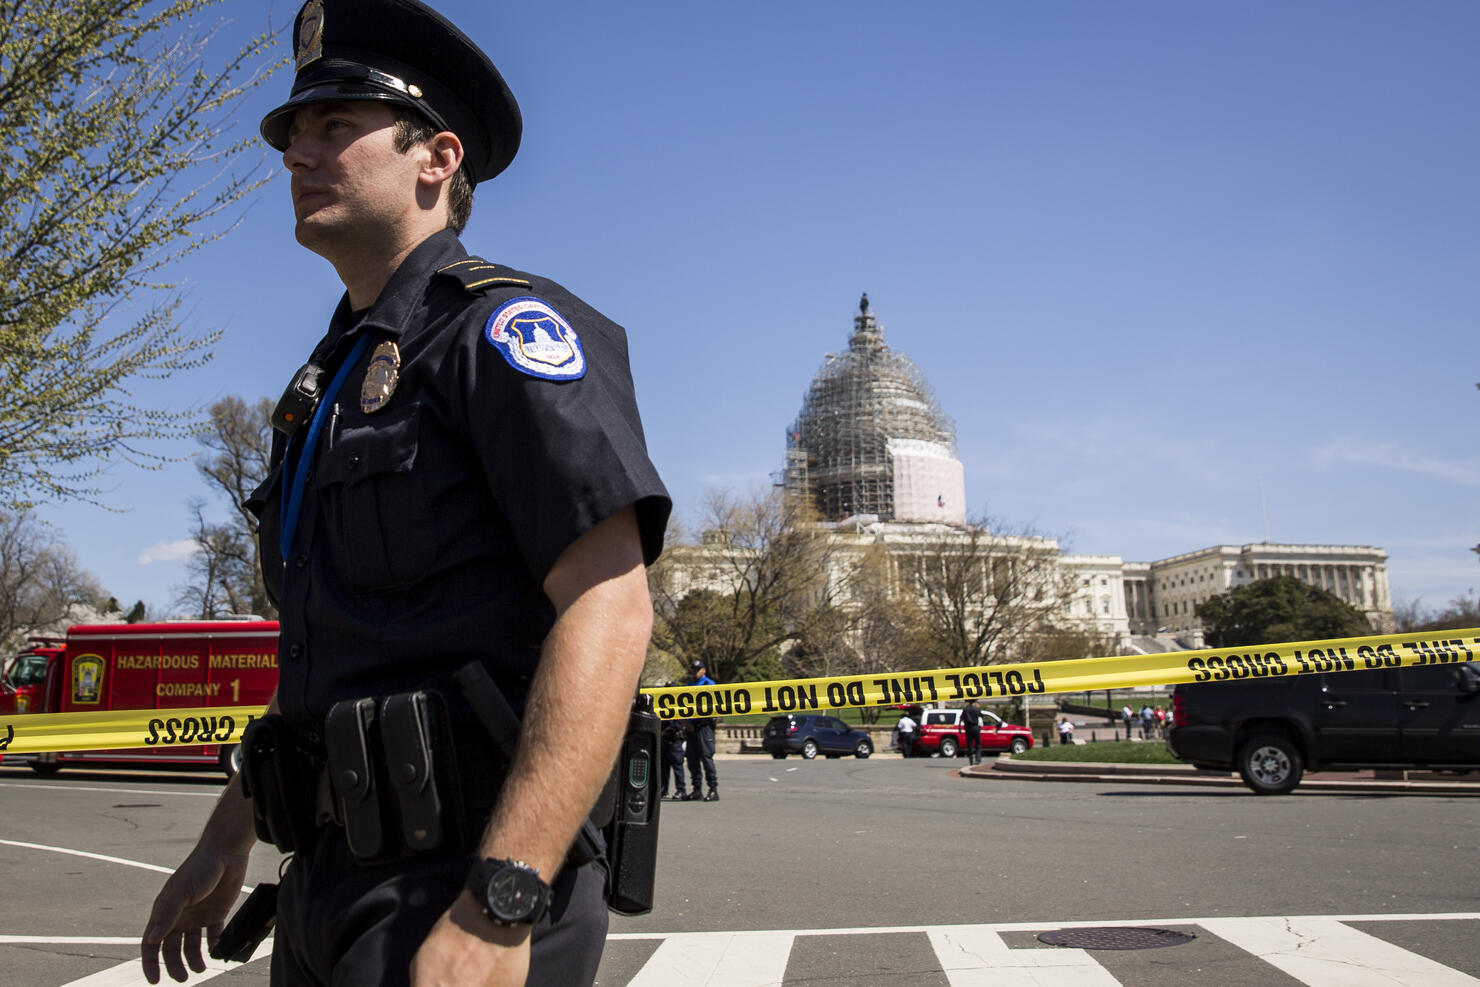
(881, 871)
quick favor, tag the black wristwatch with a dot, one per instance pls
(510, 891)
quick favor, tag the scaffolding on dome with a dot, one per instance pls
(863, 410)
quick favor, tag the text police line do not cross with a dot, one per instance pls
(122, 729)
(1069, 675)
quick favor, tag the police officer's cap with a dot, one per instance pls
(696, 665)
(403, 52)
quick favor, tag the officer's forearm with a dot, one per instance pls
(230, 828)
(574, 722)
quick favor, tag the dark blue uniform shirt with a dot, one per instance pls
(428, 525)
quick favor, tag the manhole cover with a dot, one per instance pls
(1111, 937)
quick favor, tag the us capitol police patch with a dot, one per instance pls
(535, 340)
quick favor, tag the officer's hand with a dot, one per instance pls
(466, 948)
(198, 895)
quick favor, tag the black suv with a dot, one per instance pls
(1273, 730)
(813, 735)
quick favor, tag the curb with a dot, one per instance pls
(1178, 774)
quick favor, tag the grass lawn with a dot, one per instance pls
(1114, 752)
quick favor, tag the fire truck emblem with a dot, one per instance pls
(87, 679)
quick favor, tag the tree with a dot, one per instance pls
(1056, 643)
(879, 628)
(1462, 612)
(985, 595)
(1278, 609)
(226, 571)
(40, 581)
(756, 582)
(114, 163)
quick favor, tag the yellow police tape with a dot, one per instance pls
(124, 729)
(998, 682)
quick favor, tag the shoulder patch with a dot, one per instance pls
(536, 340)
(478, 275)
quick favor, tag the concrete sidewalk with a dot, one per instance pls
(1004, 768)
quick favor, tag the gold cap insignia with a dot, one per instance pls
(380, 378)
(309, 44)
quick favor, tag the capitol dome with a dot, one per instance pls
(871, 438)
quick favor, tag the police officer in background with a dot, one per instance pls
(699, 746)
(672, 760)
(971, 729)
(459, 476)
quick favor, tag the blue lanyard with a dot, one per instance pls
(292, 499)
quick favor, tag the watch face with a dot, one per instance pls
(513, 894)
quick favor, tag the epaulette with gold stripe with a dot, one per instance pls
(478, 275)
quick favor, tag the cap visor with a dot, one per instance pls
(276, 125)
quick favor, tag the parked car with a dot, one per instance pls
(812, 735)
(1274, 730)
(940, 731)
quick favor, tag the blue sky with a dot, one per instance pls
(1155, 257)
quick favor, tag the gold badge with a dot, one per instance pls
(309, 44)
(380, 378)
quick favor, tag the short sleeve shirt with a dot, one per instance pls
(428, 524)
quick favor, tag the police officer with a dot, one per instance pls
(459, 475)
(699, 746)
(971, 729)
(672, 760)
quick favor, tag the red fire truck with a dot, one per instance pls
(173, 665)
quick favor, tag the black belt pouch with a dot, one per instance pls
(357, 776)
(280, 779)
(421, 766)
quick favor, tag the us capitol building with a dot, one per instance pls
(876, 455)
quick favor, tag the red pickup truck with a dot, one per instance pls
(940, 731)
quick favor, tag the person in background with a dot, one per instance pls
(971, 730)
(672, 757)
(699, 746)
(905, 730)
(1066, 731)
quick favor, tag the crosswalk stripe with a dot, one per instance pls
(976, 956)
(735, 959)
(1326, 953)
(131, 974)
(1319, 951)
